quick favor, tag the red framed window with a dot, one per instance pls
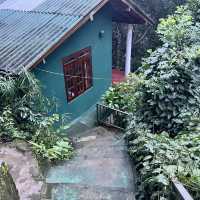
(78, 73)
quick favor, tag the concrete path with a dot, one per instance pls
(100, 170)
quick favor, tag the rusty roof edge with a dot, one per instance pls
(85, 19)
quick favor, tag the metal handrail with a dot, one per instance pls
(181, 190)
(126, 113)
(112, 117)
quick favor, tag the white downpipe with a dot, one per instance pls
(128, 49)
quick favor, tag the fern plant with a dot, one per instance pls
(24, 114)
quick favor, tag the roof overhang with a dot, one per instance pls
(128, 11)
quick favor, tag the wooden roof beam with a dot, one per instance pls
(126, 12)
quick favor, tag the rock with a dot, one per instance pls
(35, 172)
(8, 190)
(24, 168)
(21, 145)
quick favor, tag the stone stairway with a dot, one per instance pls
(100, 170)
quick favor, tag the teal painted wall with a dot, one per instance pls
(88, 35)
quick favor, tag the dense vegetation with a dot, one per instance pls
(159, 158)
(156, 9)
(164, 97)
(23, 115)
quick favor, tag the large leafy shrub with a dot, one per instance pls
(156, 9)
(159, 158)
(48, 143)
(166, 92)
(172, 72)
(24, 114)
(125, 95)
(164, 136)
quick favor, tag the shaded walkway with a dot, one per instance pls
(100, 170)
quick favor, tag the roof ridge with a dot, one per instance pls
(42, 12)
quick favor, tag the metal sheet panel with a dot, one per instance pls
(28, 30)
(19, 4)
(25, 35)
(71, 7)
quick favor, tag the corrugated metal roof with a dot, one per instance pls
(24, 35)
(76, 7)
(28, 33)
(19, 4)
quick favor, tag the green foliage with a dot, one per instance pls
(24, 114)
(61, 150)
(159, 158)
(47, 144)
(156, 9)
(164, 136)
(168, 93)
(171, 93)
(7, 123)
(194, 6)
(124, 96)
(176, 29)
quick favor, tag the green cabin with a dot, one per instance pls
(67, 45)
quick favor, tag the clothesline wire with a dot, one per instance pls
(61, 74)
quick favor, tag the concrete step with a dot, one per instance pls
(98, 135)
(98, 132)
(104, 172)
(94, 152)
(84, 192)
(99, 142)
(100, 170)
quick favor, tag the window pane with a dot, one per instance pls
(78, 73)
